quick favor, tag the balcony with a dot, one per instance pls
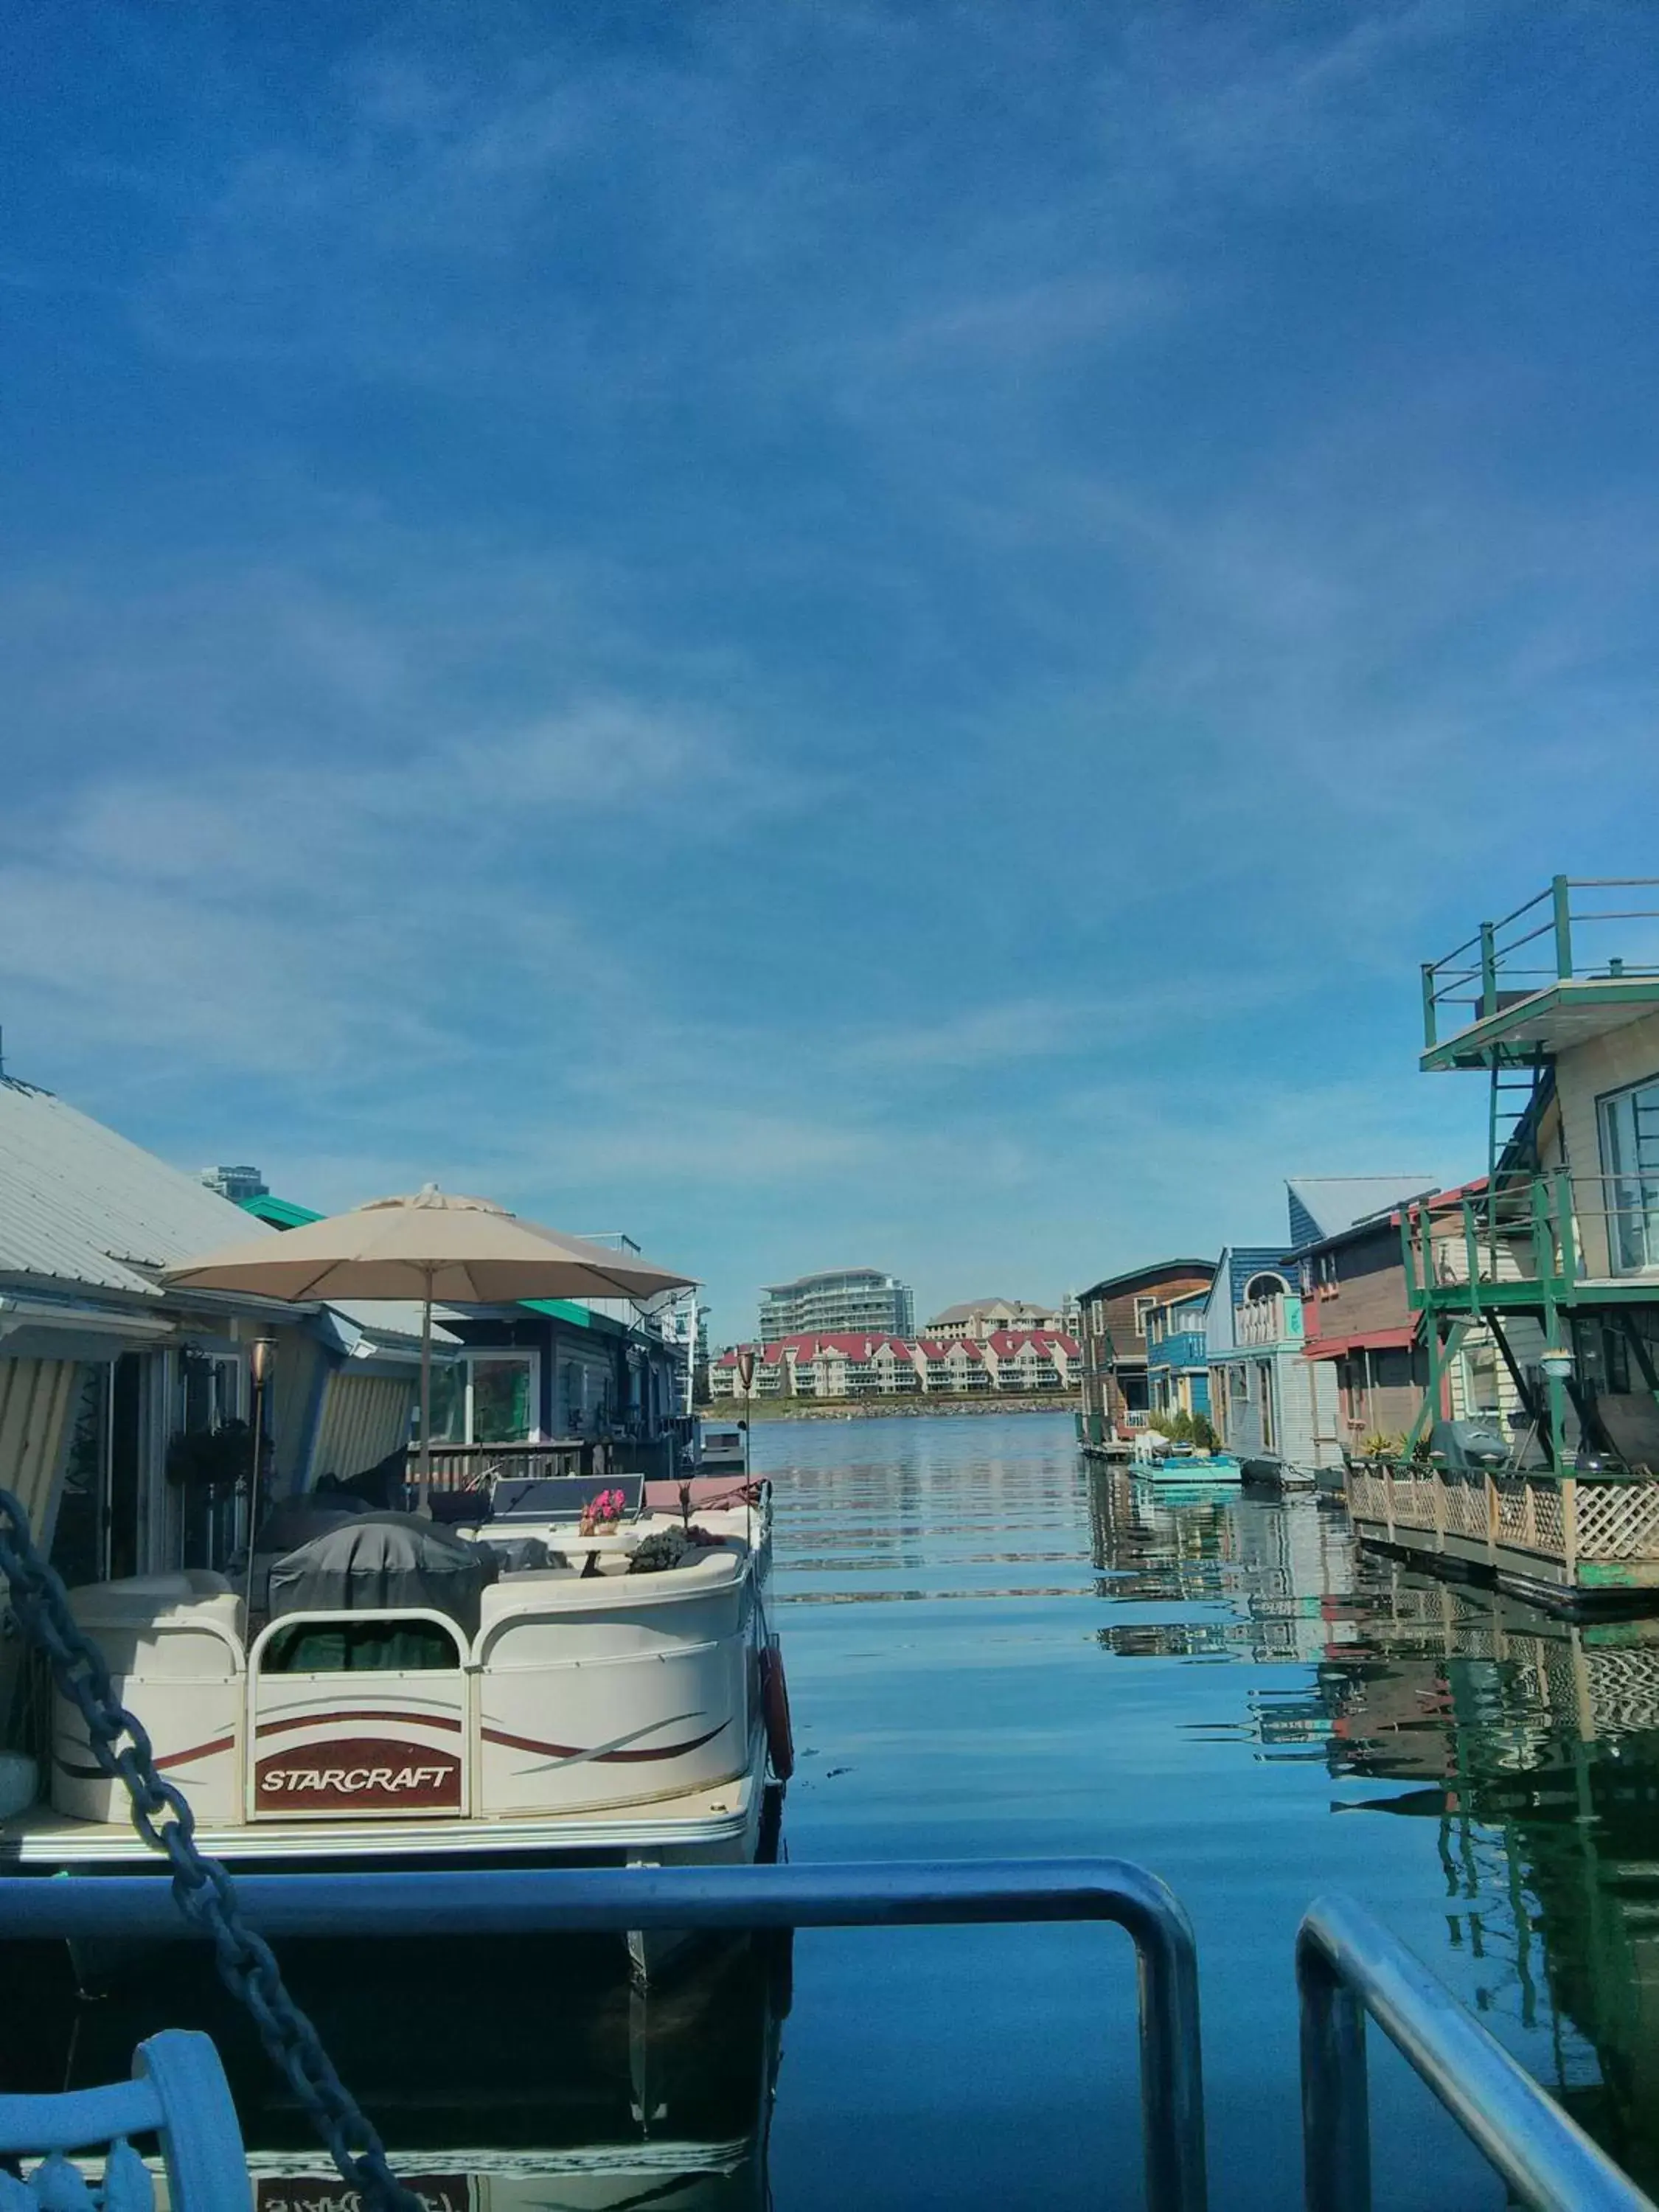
(1555, 973)
(1537, 1242)
(1185, 1347)
(1267, 1322)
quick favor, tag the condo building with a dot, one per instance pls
(840, 1302)
(978, 1318)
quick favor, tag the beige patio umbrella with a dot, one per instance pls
(455, 1251)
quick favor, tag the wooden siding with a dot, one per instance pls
(364, 1417)
(1584, 1073)
(1128, 1347)
(1380, 1392)
(1370, 1291)
(1300, 1423)
(1112, 1347)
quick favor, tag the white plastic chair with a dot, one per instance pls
(178, 2092)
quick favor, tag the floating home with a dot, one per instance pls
(1177, 1370)
(1265, 1398)
(112, 1389)
(1117, 1396)
(1554, 1254)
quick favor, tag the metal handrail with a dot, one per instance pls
(1537, 1220)
(1347, 1965)
(516, 1901)
(1443, 979)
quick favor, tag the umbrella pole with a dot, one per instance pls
(426, 1389)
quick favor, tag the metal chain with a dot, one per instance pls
(201, 1887)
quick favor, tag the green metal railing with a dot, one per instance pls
(1533, 1240)
(1451, 1250)
(1552, 939)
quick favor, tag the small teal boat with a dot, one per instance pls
(1190, 1467)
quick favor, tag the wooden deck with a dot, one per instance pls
(1581, 1544)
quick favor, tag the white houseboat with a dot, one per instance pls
(534, 1684)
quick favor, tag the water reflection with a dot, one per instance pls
(521, 2078)
(1275, 1572)
(1533, 1745)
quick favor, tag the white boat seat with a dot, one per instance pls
(574, 1592)
(149, 1607)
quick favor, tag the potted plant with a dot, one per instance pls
(603, 1513)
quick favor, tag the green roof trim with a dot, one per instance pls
(280, 1212)
(583, 1316)
(561, 1310)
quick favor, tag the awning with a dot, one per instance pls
(1370, 1339)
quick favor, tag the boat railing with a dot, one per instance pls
(517, 1902)
(476, 1467)
(1349, 1967)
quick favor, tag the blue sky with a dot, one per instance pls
(862, 632)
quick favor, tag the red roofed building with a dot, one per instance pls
(1011, 1362)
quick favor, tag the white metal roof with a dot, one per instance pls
(1334, 1203)
(79, 1203)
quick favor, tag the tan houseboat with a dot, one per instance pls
(1555, 1254)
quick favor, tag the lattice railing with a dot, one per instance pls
(1368, 1497)
(1464, 1507)
(1549, 1518)
(1415, 1500)
(1618, 1520)
(1614, 1519)
(1514, 1509)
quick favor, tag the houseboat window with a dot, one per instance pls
(584, 1396)
(1630, 1169)
(96, 1534)
(1260, 1288)
(502, 1411)
(357, 1647)
(1480, 1379)
(79, 1551)
(1143, 1308)
(486, 1398)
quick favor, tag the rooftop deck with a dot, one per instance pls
(1579, 959)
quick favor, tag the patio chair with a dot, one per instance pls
(178, 2093)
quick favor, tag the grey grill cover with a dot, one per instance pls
(383, 1562)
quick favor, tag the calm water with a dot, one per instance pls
(995, 1650)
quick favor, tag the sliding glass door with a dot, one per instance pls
(1630, 1170)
